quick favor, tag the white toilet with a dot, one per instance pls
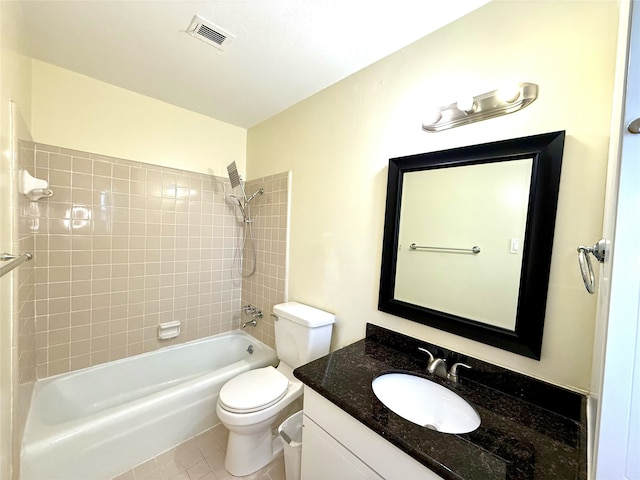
(250, 404)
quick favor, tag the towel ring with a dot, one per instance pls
(598, 250)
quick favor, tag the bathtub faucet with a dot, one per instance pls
(249, 309)
(255, 315)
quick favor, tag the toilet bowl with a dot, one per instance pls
(250, 418)
(250, 404)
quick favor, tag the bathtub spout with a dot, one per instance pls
(253, 323)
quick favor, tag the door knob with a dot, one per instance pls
(634, 127)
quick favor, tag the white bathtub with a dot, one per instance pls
(101, 421)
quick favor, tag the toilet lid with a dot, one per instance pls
(253, 390)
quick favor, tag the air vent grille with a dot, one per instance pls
(209, 33)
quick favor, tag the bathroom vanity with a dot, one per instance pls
(530, 429)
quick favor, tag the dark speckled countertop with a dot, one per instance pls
(530, 430)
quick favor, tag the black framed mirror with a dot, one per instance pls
(468, 235)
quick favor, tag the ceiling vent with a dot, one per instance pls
(209, 33)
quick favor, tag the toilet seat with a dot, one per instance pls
(253, 391)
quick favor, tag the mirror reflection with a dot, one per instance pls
(445, 214)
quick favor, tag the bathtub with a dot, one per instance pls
(101, 421)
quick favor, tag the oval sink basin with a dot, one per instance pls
(425, 403)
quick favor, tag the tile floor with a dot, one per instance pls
(200, 458)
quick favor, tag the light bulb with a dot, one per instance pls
(431, 117)
(509, 93)
(466, 104)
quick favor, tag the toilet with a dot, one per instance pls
(250, 404)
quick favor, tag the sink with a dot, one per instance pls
(425, 403)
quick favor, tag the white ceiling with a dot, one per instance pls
(284, 50)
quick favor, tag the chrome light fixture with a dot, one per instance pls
(481, 107)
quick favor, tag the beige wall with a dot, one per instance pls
(81, 113)
(338, 142)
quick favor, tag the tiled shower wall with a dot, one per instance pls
(121, 247)
(267, 286)
(26, 344)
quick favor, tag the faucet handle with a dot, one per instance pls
(249, 309)
(431, 359)
(453, 372)
(437, 366)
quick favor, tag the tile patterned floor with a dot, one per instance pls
(200, 458)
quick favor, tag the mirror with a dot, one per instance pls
(454, 247)
(468, 236)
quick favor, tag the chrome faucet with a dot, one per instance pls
(255, 315)
(436, 366)
(249, 309)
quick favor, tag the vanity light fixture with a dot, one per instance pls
(481, 107)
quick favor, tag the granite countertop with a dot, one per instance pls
(530, 430)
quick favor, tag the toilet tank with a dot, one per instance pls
(303, 333)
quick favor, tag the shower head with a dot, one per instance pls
(234, 177)
(259, 192)
(238, 203)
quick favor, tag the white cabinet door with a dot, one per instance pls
(381, 457)
(324, 458)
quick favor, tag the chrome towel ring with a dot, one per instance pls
(598, 250)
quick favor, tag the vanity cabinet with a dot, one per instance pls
(327, 459)
(335, 445)
(529, 429)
